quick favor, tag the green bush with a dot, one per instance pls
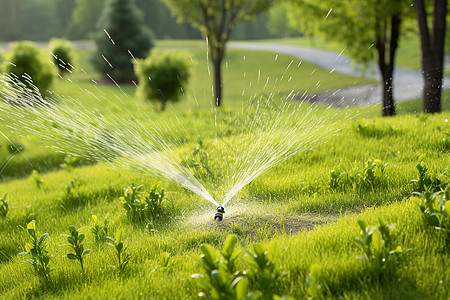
(121, 35)
(63, 54)
(162, 76)
(25, 63)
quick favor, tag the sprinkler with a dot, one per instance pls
(218, 216)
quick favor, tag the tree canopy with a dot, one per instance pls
(365, 28)
(216, 19)
(121, 36)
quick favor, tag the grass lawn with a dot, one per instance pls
(292, 229)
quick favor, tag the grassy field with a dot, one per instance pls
(295, 225)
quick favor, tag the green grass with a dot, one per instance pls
(290, 209)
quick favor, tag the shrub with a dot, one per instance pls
(63, 54)
(26, 64)
(121, 36)
(162, 76)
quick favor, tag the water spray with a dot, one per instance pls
(218, 216)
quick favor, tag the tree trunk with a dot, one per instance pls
(387, 67)
(432, 45)
(432, 89)
(388, 108)
(217, 81)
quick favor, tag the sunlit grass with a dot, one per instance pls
(279, 208)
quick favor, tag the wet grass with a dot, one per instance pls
(291, 209)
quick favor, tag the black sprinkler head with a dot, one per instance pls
(218, 216)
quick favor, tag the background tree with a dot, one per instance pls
(64, 11)
(216, 20)
(162, 76)
(125, 36)
(432, 44)
(362, 27)
(163, 25)
(27, 19)
(278, 23)
(85, 17)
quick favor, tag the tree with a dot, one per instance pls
(216, 20)
(361, 26)
(432, 44)
(162, 76)
(85, 17)
(27, 20)
(163, 25)
(121, 36)
(64, 12)
(278, 23)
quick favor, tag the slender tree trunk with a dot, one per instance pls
(218, 53)
(432, 45)
(217, 82)
(388, 97)
(387, 67)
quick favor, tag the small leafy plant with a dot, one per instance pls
(198, 162)
(369, 176)
(263, 271)
(74, 195)
(69, 163)
(221, 279)
(37, 179)
(155, 203)
(375, 242)
(121, 251)
(425, 181)
(15, 148)
(336, 179)
(36, 248)
(315, 286)
(434, 207)
(372, 129)
(4, 206)
(100, 231)
(142, 207)
(226, 278)
(76, 243)
(164, 261)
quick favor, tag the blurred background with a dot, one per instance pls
(39, 20)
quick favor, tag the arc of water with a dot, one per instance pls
(76, 131)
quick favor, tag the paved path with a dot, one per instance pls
(408, 84)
